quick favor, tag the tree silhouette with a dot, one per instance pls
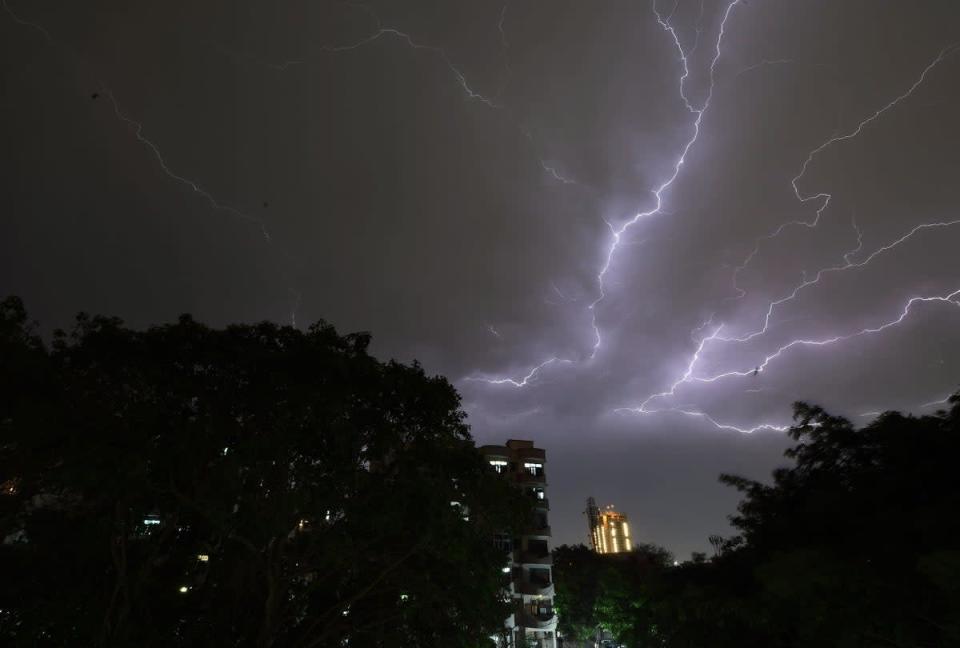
(856, 544)
(255, 485)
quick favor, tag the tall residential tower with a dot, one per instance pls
(528, 556)
(609, 531)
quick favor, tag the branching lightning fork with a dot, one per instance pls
(822, 196)
(618, 232)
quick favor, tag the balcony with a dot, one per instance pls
(531, 558)
(537, 621)
(534, 588)
(541, 503)
(538, 531)
(526, 477)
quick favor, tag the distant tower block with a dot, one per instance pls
(609, 530)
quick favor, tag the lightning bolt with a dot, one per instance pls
(441, 53)
(697, 414)
(504, 49)
(763, 63)
(952, 298)
(949, 298)
(137, 129)
(519, 382)
(618, 232)
(26, 23)
(847, 265)
(825, 197)
(556, 175)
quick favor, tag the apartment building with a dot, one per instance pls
(529, 561)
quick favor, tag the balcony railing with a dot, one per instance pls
(543, 531)
(527, 477)
(530, 558)
(538, 621)
(534, 588)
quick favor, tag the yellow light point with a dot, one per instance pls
(203, 557)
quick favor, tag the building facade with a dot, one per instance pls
(529, 562)
(609, 530)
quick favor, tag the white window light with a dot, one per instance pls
(533, 465)
(203, 557)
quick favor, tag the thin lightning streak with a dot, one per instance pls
(699, 31)
(763, 63)
(26, 23)
(825, 197)
(439, 51)
(137, 129)
(848, 265)
(560, 294)
(556, 175)
(643, 408)
(856, 250)
(521, 382)
(548, 169)
(686, 377)
(706, 417)
(504, 50)
(951, 298)
(618, 232)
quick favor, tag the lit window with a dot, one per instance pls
(203, 557)
(499, 465)
(184, 589)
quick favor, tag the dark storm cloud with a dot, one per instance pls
(469, 232)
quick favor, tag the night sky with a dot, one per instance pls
(496, 190)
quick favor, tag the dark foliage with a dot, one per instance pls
(857, 545)
(256, 485)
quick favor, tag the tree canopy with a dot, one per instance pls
(253, 485)
(857, 544)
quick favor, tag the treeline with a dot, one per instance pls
(857, 545)
(251, 486)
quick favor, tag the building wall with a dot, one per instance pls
(529, 559)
